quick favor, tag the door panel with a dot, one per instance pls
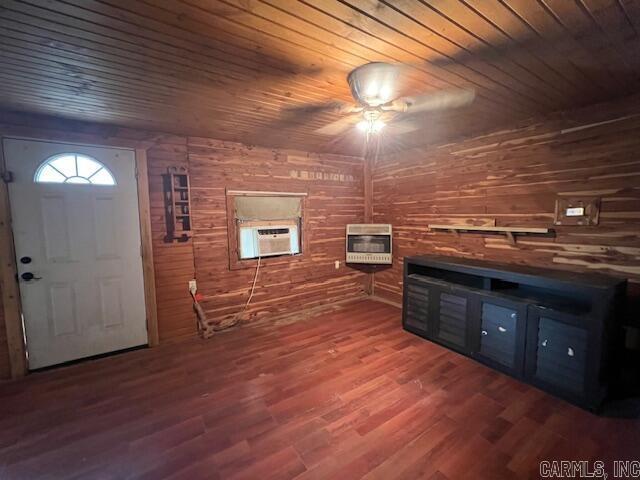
(111, 302)
(87, 295)
(559, 352)
(452, 319)
(416, 307)
(106, 226)
(500, 334)
(55, 228)
(63, 308)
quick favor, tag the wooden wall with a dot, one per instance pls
(336, 197)
(515, 176)
(173, 262)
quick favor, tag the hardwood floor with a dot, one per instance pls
(345, 395)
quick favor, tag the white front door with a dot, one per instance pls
(77, 238)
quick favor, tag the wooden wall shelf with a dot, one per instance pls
(509, 232)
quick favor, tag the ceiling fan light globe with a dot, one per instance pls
(373, 84)
(386, 93)
(363, 125)
(372, 90)
(377, 126)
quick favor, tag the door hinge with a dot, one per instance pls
(7, 176)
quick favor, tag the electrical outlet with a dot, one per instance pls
(193, 286)
(337, 264)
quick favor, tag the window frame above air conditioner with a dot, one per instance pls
(235, 263)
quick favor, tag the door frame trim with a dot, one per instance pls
(8, 269)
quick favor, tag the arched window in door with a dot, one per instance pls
(74, 168)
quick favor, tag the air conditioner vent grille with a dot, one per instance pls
(270, 245)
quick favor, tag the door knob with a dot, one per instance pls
(27, 276)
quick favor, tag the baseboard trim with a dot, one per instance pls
(384, 300)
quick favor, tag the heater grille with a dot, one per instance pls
(369, 229)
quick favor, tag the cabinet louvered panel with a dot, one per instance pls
(417, 306)
(452, 319)
(561, 355)
(498, 334)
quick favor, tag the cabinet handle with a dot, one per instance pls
(484, 332)
(514, 315)
(570, 352)
(544, 342)
(502, 329)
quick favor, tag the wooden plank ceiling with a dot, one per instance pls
(230, 69)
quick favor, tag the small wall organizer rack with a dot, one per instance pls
(177, 193)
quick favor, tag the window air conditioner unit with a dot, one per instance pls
(268, 241)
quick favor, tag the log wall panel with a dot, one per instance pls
(515, 176)
(336, 197)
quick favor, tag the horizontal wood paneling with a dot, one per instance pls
(336, 197)
(335, 190)
(515, 176)
(230, 68)
(173, 262)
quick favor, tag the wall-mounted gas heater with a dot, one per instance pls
(369, 243)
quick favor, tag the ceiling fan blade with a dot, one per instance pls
(428, 102)
(400, 127)
(307, 113)
(316, 108)
(339, 126)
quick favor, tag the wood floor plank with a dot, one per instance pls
(346, 394)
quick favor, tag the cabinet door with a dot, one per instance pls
(451, 318)
(416, 304)
(558, 352)
(501, 336)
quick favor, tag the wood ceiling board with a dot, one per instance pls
(547, 27)
(234, 69)
(498, 44)
(530, 40)
(400, 30)
(459, 43)
(156, 49)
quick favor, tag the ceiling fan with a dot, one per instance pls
(375, 87)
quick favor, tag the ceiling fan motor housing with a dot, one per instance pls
(373, 84)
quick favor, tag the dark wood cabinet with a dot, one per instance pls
(450, 317)
(417, 299)
(438, 311)
(450, 324)
(499, 340)
(551, 328)
(561, 355)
